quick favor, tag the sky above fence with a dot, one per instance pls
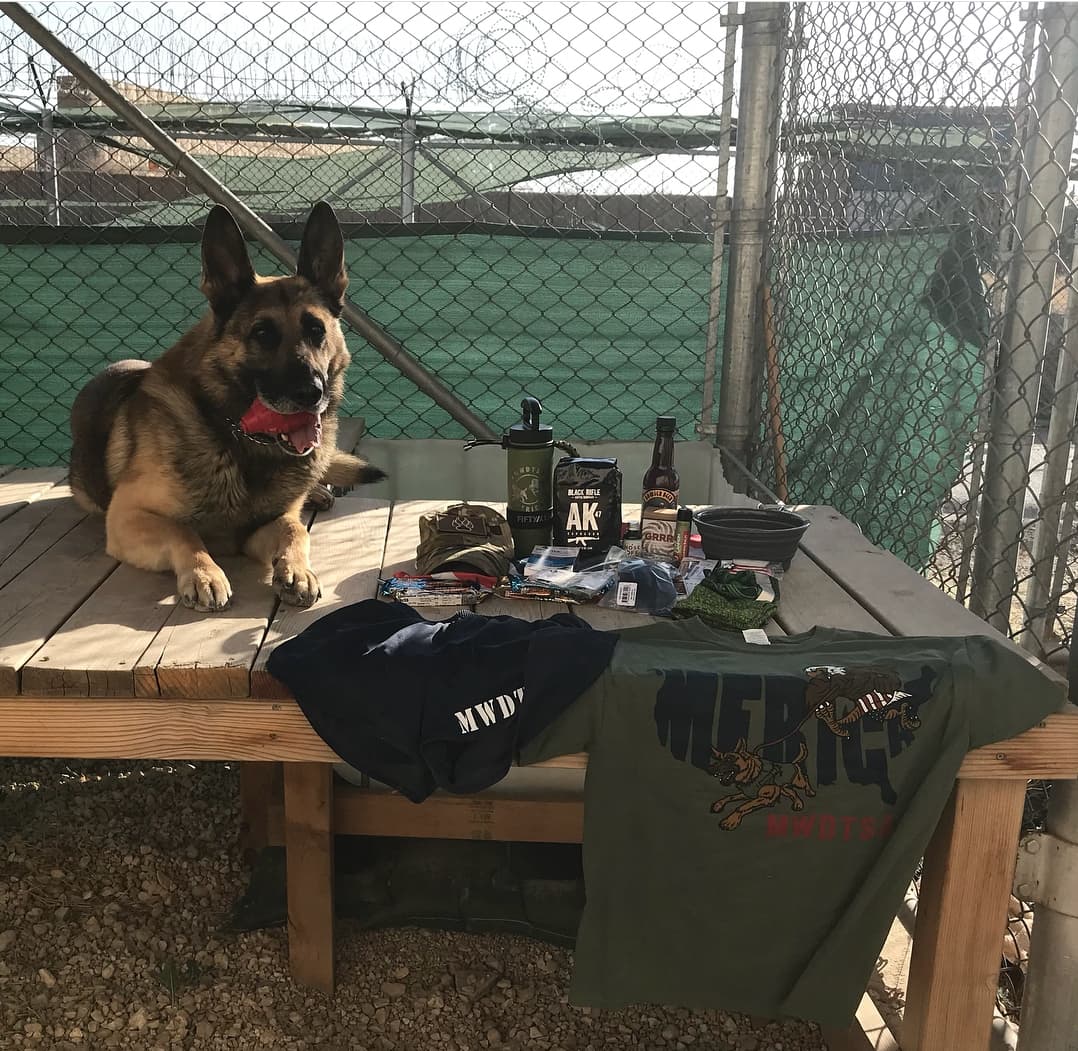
(623, 58)
(578, 57)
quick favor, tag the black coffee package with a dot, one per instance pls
(587, 502)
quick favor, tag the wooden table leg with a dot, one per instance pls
(308, 815)
(961, 916)
(257, 782)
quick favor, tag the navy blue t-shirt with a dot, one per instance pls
(421, 704)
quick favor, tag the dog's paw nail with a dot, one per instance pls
(296, 587)
(205, 589)
(320, 498)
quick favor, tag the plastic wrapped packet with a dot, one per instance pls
(733, 596)
(551, 565)
(432, 591)
(548, 578)
(644, 585)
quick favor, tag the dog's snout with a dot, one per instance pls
(297, 388)
(309, 391)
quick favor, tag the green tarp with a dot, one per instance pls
(606, 334)
(878, 396)
(878, 389)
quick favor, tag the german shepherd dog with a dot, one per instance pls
(159, 448)
(758, 782)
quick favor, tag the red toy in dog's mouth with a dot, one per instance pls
(296, 432)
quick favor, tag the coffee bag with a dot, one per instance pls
(587, 502)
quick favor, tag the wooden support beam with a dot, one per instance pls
(240, 728)
(258, 786)
(485, 815)
(308, 807)
(961, 915)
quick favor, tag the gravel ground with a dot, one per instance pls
(115, 883)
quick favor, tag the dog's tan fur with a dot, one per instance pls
(155, 446)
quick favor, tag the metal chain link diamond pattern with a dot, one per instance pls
(527, 191)
(920, 333)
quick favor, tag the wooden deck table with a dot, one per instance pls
(98, 660)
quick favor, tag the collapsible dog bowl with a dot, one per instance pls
(750, 532)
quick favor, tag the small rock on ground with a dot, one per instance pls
(114, 878)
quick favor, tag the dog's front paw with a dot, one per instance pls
(319, 499)
(728, 824)
(295, 583)
(204, 587)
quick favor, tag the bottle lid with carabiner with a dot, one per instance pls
(529, 431)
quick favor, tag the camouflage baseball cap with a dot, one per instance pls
(464, 537)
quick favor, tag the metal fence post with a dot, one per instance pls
(757, 132)
(408, 138)
(1016, 185)
(1049, 1004)
(1041, 598)
(50, 174)
(408, 152)
(706, 428)
(1046, 159)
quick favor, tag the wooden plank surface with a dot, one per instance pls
(347, 543)
(308, 806)
(45, 593)
(482, 815)
(31, 530)
(96, 652)
(223, 728)
(228, 728)
(808, 596)
(961, 914)
(399, 555)
(898, 596)
(197, 655)
(21, 487)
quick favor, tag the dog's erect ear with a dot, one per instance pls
(741, 745)
(227, 274)
(321, 255)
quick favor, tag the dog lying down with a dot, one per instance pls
(221, 441)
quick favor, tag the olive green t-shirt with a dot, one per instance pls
(754, 814)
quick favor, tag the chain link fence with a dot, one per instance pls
(534, 199)
(917, 316)
(917, 301)
(528, 193)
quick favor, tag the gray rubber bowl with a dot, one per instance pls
(750, 532)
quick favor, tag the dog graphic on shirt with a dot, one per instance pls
(759, 782)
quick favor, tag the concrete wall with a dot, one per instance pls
(439, 469)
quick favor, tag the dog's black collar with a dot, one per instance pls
(239, 432)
